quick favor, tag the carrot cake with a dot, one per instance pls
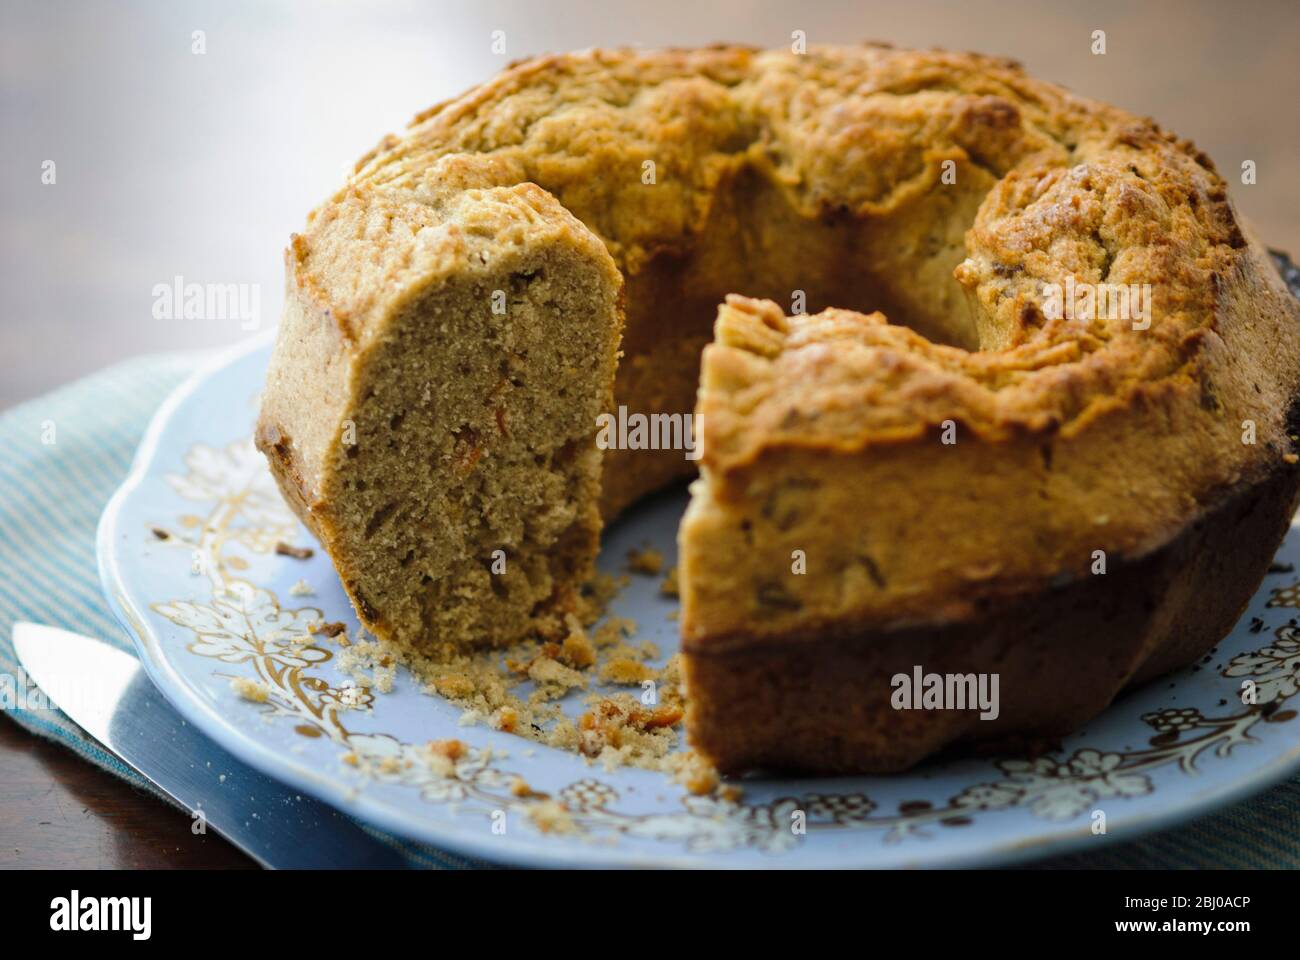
(1058, 446)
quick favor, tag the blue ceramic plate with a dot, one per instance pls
(211, 600)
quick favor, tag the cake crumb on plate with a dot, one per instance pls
(255, 691)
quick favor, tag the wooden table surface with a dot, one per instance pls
(174, 163)
(56, 810)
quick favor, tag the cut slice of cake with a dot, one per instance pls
(434, 423)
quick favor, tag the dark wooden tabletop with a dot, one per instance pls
(57, 810)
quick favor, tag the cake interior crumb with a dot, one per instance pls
(254, 691)
(646, 560)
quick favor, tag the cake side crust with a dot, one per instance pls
(822, 702)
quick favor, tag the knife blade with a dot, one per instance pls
(108, 694)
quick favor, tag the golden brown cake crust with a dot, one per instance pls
(1063, 185)
(819, 701)
(944, 189)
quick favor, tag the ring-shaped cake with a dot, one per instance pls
(1058, 451)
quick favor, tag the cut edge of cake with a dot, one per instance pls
(443, 448)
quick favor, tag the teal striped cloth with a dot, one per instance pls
(51, 495)
(67, 452)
